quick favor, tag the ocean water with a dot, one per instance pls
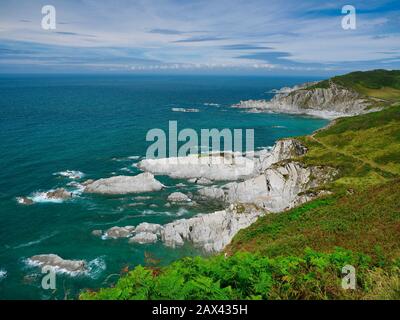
(97, 125)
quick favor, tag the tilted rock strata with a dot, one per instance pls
(331, 102)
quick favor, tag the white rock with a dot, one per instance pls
(143, 237)
(203, 181)
(143, 182)
(119, 232)
(178, 197)
(276, 189)
(148, 228)
(230, 166)
(211, 232)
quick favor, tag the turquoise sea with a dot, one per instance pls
(97, 125)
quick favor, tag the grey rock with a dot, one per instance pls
(143, 237)
(59, 194)
(97, 233)
(331, 102)
(145, 227)
(178, 197)
(25, 201)
(61, 265)
(144, 182)
(119, 232)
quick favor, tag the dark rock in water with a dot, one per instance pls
(25, 201)
(53, 260)
(59, 194)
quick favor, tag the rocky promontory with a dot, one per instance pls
(329, 100)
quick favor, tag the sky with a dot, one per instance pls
(199, 36)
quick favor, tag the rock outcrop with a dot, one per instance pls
(219, 167)
(60, 194)
(143, 237)
(119, 232)
(276, 189)
(211, 232)
(144, 182)
(178, 197)
(331, 101)
(58, 263)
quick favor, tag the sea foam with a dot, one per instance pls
(70, 174)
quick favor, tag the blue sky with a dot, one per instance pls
(194, 36)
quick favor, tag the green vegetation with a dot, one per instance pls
(381, 84)
(358, 223)
(311, 275)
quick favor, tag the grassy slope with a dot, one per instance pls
(380, 84)
(362, 215)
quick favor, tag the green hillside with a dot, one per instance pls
(298, 254)
(380, 84)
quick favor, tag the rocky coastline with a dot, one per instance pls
(330, 102)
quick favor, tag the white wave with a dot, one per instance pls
(71, 174)
(42, 197)
(126, 158)
(185, 110)
(279, 127)
(210, 104)
(96, 267)
(3, 274)
(31, 243)
(182, 211)
(126, 170)
(78, 188)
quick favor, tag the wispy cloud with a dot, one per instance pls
(195, 34)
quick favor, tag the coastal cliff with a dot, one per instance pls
(349, 95)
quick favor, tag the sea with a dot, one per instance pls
(56, 131)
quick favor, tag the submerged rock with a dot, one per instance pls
(97, 233)
(144, 182)
(55, 261)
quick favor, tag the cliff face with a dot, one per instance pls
(328, 102)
